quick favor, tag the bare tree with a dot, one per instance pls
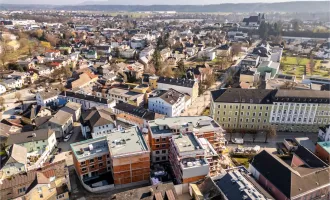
(312, 64)
(18, 96)
(2, 101)
(52, 39)
(270, 133)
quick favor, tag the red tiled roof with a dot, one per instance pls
(49, 173)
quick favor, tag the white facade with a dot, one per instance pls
(188, 90)
(129, 53)
(100, 131)
(13, 83)
(138, 43)
(43, 102)
(86, 104)
(158, 105)
(324, 134)
(2, 89)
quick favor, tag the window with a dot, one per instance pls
(100, 164)
(236, 113)
(266, 114)
(236, 107)
(21, 190)
(83, 169)
(242, 113)
(164, 139)
(259, 120)
(99, 158)
(163, 145)
(83, 163)
(157, 158)
(108, 155)
(253, 114)
(157, 146)
(248, 107)
(255, 107)
(164, 158)
(266, 107)
(92, 166)
(163, 151)
(224, 106)
(242, 107)
(224, 119)
(60, 196)
(247, 120)
(252, 120)
(230, 106)
(218, 106)
(260, 114)
(157, 140)
(91, 161)
(229, 119)
(157, 152)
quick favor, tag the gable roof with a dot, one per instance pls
(61, 117)
(136, 111)
(98, 117)
(293, 180)
(24, 137)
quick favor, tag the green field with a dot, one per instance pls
(291, 67)
(242, 161)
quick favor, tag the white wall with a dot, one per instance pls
(99, 131)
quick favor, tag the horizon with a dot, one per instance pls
(146, 2)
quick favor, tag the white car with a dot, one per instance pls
(237, 141)
(67, 138)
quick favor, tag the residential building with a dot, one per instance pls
(127, 96)
(74, 109)
(15, 163)
(187, 158)
(48, 182)
(124, 154)
(38, 143)
(12, 83)
(208, 53)
(181, 85)
(84, 80)
(98, 122)
(322, 150)
(268, 67)
(160, 131)
(245, 109)
(86, 101)
(128, 53)
(34, 111)
(211, 156)
(91, 158)
(137, 116)
(2, 89)
(159, 191)
(250, 61)
(170, 103)
(91, 54)
(47, 97)
(324, 133)
(300, 110)
(237, 183)
(300, 175)
(61, 123)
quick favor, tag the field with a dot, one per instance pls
(291, 68)
(241, 161)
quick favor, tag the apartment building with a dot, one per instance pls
(160, 131)
(300, 175)
(91, 158)
(127, 96)
(255, 109)
(170, 103)
(87, 101)
(181, 85)
(124, 154)
(187, 158)
(46, 98)
(211, 156)
(235, 108)
(300, 110)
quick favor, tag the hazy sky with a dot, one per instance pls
(140, 2)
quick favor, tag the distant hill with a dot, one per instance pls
(295, 6)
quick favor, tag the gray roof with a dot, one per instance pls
(126, 142)
(170, 96)
(24, 137)
(60, 118)
(48, 94)
(178, 81)
(307, 96)
(238, 95)
(99, 117)
(73, 105)
(18, 154)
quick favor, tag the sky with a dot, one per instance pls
(141, 2)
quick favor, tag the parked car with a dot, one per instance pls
(13, 117)
(237, 141)
(67, 138)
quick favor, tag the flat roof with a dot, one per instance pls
(325, 146)
(199, 123)
(90, 148)
(125, 142)
(186, 142)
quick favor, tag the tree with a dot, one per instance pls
(235, 49)
(312, 64)
(2, 101)
(296, 24)
(117, 52)
(181, 71)
(254, 136)
(156, 60)
(52, 39)
(16, 67)
(263, 30)
(18, 96)
(230, 132)
(270, 133)
(46, 45)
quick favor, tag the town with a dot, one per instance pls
(164, 105)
